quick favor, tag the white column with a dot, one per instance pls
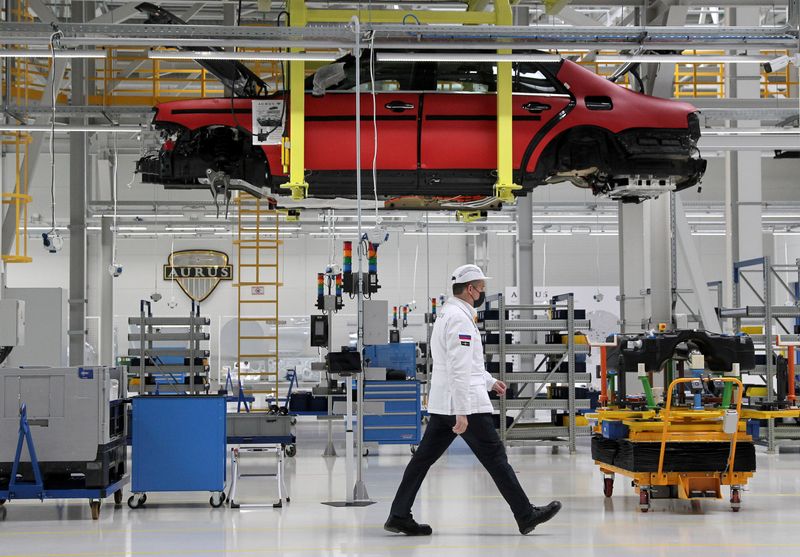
(743, 195)
(631, 267)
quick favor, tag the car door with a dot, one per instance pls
(462, 115)
(330, 122)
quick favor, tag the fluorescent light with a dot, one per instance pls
(705, 215)
(680, 59)
(326, 235)
(708, 233)
(130, 228)
(442, 233)
(263, 56)
(786, 233)
(603, 234)
(463, 57)
(46, 53)
(152, 216)
(46, 228)
(158, 234)
(731, 132)
(506, 233)
(92, 228)
(72, 129)
(253, 233)
(551, 233)
(574, 216)
(780, 216)
(194, 228)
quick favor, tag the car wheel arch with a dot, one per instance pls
(547, 160)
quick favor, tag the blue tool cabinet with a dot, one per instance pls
(400, 422)
(178, 445)
(397, 356)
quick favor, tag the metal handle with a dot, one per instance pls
(398, 106)
(535, 107)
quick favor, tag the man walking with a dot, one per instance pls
(459, 404)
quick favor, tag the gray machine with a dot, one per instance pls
(76, 426)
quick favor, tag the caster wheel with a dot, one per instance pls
(135, 502)
(2, 502)
(284, 411)
(290, 450)
(365, 453)
(413, 449)
(608, 486)
(118, 498)
(217, 501)
(736, 500)
(644, 501)
(95, 508)
(293, 421)
(288, 500)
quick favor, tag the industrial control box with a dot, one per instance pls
(376, 322)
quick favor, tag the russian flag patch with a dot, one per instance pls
(465, 339)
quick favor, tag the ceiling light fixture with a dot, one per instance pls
(72, 129)
(242, 56)
(45, 53)
(679, 59)
(463, 57)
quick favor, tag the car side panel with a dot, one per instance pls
(459, 130)
(331, 137)
(630, 110)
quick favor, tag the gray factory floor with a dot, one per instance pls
(459, 500)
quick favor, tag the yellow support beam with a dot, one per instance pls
(505, 187)
(297, 183)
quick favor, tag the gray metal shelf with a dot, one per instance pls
(522, 432)
(544, 349)
(536, 320)
(543, 404)
(191, 336)
(535, 325)
(770, 315)
(541, 377)
(171, 321)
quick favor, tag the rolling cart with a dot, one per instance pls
(259, 434)
(71, 488)
(178, 445)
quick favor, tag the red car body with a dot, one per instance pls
(586, 129)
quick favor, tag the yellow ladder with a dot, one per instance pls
(258, 283)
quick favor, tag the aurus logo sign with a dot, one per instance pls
(198, 272)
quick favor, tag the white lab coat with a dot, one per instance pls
(459, 380)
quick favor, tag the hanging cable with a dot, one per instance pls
(53, 95)
(374, 124)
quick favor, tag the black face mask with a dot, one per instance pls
(479, 302)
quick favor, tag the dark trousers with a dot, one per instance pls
(484, 442)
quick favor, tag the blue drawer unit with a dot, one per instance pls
(399, 423)
(179, 444)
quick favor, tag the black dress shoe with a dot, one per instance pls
(537, 516)
(407, 526)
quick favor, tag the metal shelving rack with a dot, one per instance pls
(539, 321)
(149, 353)
(769, 314)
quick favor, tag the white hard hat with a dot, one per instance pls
(467, 273)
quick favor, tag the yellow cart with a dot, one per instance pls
(675, 426)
